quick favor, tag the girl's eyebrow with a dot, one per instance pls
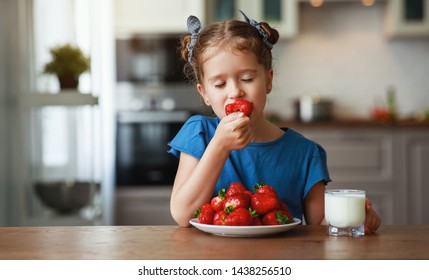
(241, 72)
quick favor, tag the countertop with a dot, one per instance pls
(403, 242)
(354, 123)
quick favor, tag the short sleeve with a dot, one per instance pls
(191, 139)
(318, 169)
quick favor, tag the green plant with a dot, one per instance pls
(67, 60)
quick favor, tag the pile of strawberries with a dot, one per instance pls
(238, 206)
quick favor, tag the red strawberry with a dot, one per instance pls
(218, 201)
(205, 214)
(256, 221)
(263, 203)
(219, 218)
(234, 188)
(285, 209)
(240, 217)
(239, 105)
(235, 201)
(276, 217)
(264, 188)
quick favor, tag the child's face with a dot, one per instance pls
(228, 76)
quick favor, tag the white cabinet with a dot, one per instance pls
(160, 16)
(390, 163)
(280, 14)
(407, 18)
(413, 171)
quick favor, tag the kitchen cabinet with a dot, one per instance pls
(407, 18)
(164, 16)
(389, 162)
(151, 17)
(148, 205)
(280, 14)
(412, 169)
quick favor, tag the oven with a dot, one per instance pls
(141, 147)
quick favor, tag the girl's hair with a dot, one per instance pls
(233, 34)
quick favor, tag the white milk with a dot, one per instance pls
(345, 208)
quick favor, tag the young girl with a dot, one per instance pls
(228, 61)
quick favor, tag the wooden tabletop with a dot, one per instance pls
(174, 243)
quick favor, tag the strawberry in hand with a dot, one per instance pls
(239, 105)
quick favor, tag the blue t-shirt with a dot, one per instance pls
(291, 164)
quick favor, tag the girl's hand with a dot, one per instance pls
(372, 220)
(234, 132)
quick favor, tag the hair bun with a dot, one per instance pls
(273, 34)
(184, 47)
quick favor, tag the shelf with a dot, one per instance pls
(64, 98)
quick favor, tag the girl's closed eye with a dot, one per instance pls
(247, 80)
(219, 84)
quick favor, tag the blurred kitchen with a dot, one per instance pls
(350, 74)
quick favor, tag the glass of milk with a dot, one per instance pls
(345, 212)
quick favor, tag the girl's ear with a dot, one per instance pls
(269, 77)
(202, 92)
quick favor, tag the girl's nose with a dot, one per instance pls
(235, 91)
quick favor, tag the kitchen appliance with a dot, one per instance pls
(149, 59)
(141, 147)
(312, 108)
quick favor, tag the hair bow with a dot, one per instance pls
(262, 32)
(194, 27)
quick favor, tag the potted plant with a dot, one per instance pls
(68, 63)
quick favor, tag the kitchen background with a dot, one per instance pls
(355, 54)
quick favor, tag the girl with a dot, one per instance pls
(231, 61)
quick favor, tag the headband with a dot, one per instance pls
(194, 27)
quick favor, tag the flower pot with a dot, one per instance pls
(68, 81)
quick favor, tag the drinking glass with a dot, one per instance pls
(345, 212)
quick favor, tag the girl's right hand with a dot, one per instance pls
(234, 131)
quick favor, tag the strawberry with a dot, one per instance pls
(239, 105)
(256, 221)
(264, 188)
(219, 218)
(218, 201)
(235, 201)
(263, 203)
(240, 217)
(234, 188)
(205, 214)
(276, 217)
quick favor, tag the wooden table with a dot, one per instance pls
(174, 243)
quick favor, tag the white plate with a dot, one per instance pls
(244, 231)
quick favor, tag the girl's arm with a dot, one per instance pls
(314, 205)
(196, 179)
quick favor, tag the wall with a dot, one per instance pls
(342, 52)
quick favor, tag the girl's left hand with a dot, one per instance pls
(372, 220)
